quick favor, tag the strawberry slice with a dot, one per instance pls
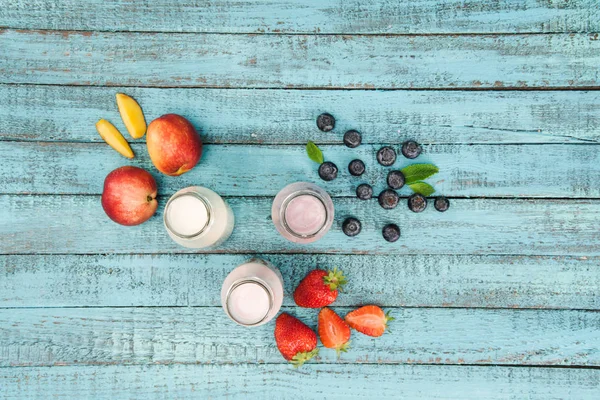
(370, 320)
(333, 331)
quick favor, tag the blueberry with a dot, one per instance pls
(325, 122)
(441, 204)
(328, 171)
(364, 191)
(386, 156)
(391, 232)
(417, 203)
(351, 227)
(388, 199)
(395, 179)
(411, 149)
(352, 139)
(356, 167)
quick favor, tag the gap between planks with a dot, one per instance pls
(316, 364)
(583, 142)
(331, 88)
(165, 197)
(20, 29)
(298, 307)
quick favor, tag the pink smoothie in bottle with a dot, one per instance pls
(302, 212)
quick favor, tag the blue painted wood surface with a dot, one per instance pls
(505, 281)
(68, 114)
(278, 381)
(305, 16)
(487, 295)
(465, 170)
(300, 61)
(193, 335)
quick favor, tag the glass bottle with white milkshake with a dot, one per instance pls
(197, 217)
(252, 293)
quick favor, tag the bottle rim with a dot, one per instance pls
(284, 206)
(256, 281)
(197, 196)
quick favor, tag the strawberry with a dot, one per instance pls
(369, 320)
(319, 288)
(333, 331)
(296, 341)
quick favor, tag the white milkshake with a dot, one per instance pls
(197, 217)
(252, 293)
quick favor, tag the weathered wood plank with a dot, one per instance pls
(57, 113)
(77, 224)
(305, 16)
(241, 170)
(312, 381)
(304, 61)
(150, 335)
(194, 280)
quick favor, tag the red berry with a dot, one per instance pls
(333, 331)
(296, 342)
(319, 288)
(370, 320)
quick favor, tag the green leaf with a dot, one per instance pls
(423, 188)
(314, 153)
(418, 172)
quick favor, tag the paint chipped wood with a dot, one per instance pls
(266, 117)
(304, 61)
(183, 335)
(569, 282)
(331, 381)
(304, 16)
(77, 224)
(238, 170)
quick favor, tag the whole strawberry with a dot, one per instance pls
(296, 342)
(319, 288)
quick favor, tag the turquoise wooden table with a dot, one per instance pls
(497, 298)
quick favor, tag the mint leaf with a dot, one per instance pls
(423, 188)
(314, 153)
(418, 172)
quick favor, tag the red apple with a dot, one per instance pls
(174, 145)
(129, 196)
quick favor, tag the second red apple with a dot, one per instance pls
(173, 144)
(129, 195)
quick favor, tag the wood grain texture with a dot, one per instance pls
(77, 224)
(237, 170)
(313, 381)
(97, 336)
(305, 16)
(305, 61)
(194, 280)
(57, 113)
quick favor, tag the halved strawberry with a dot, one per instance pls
(370, 320)
(296, 342)
(319, 288)
(333, 331)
